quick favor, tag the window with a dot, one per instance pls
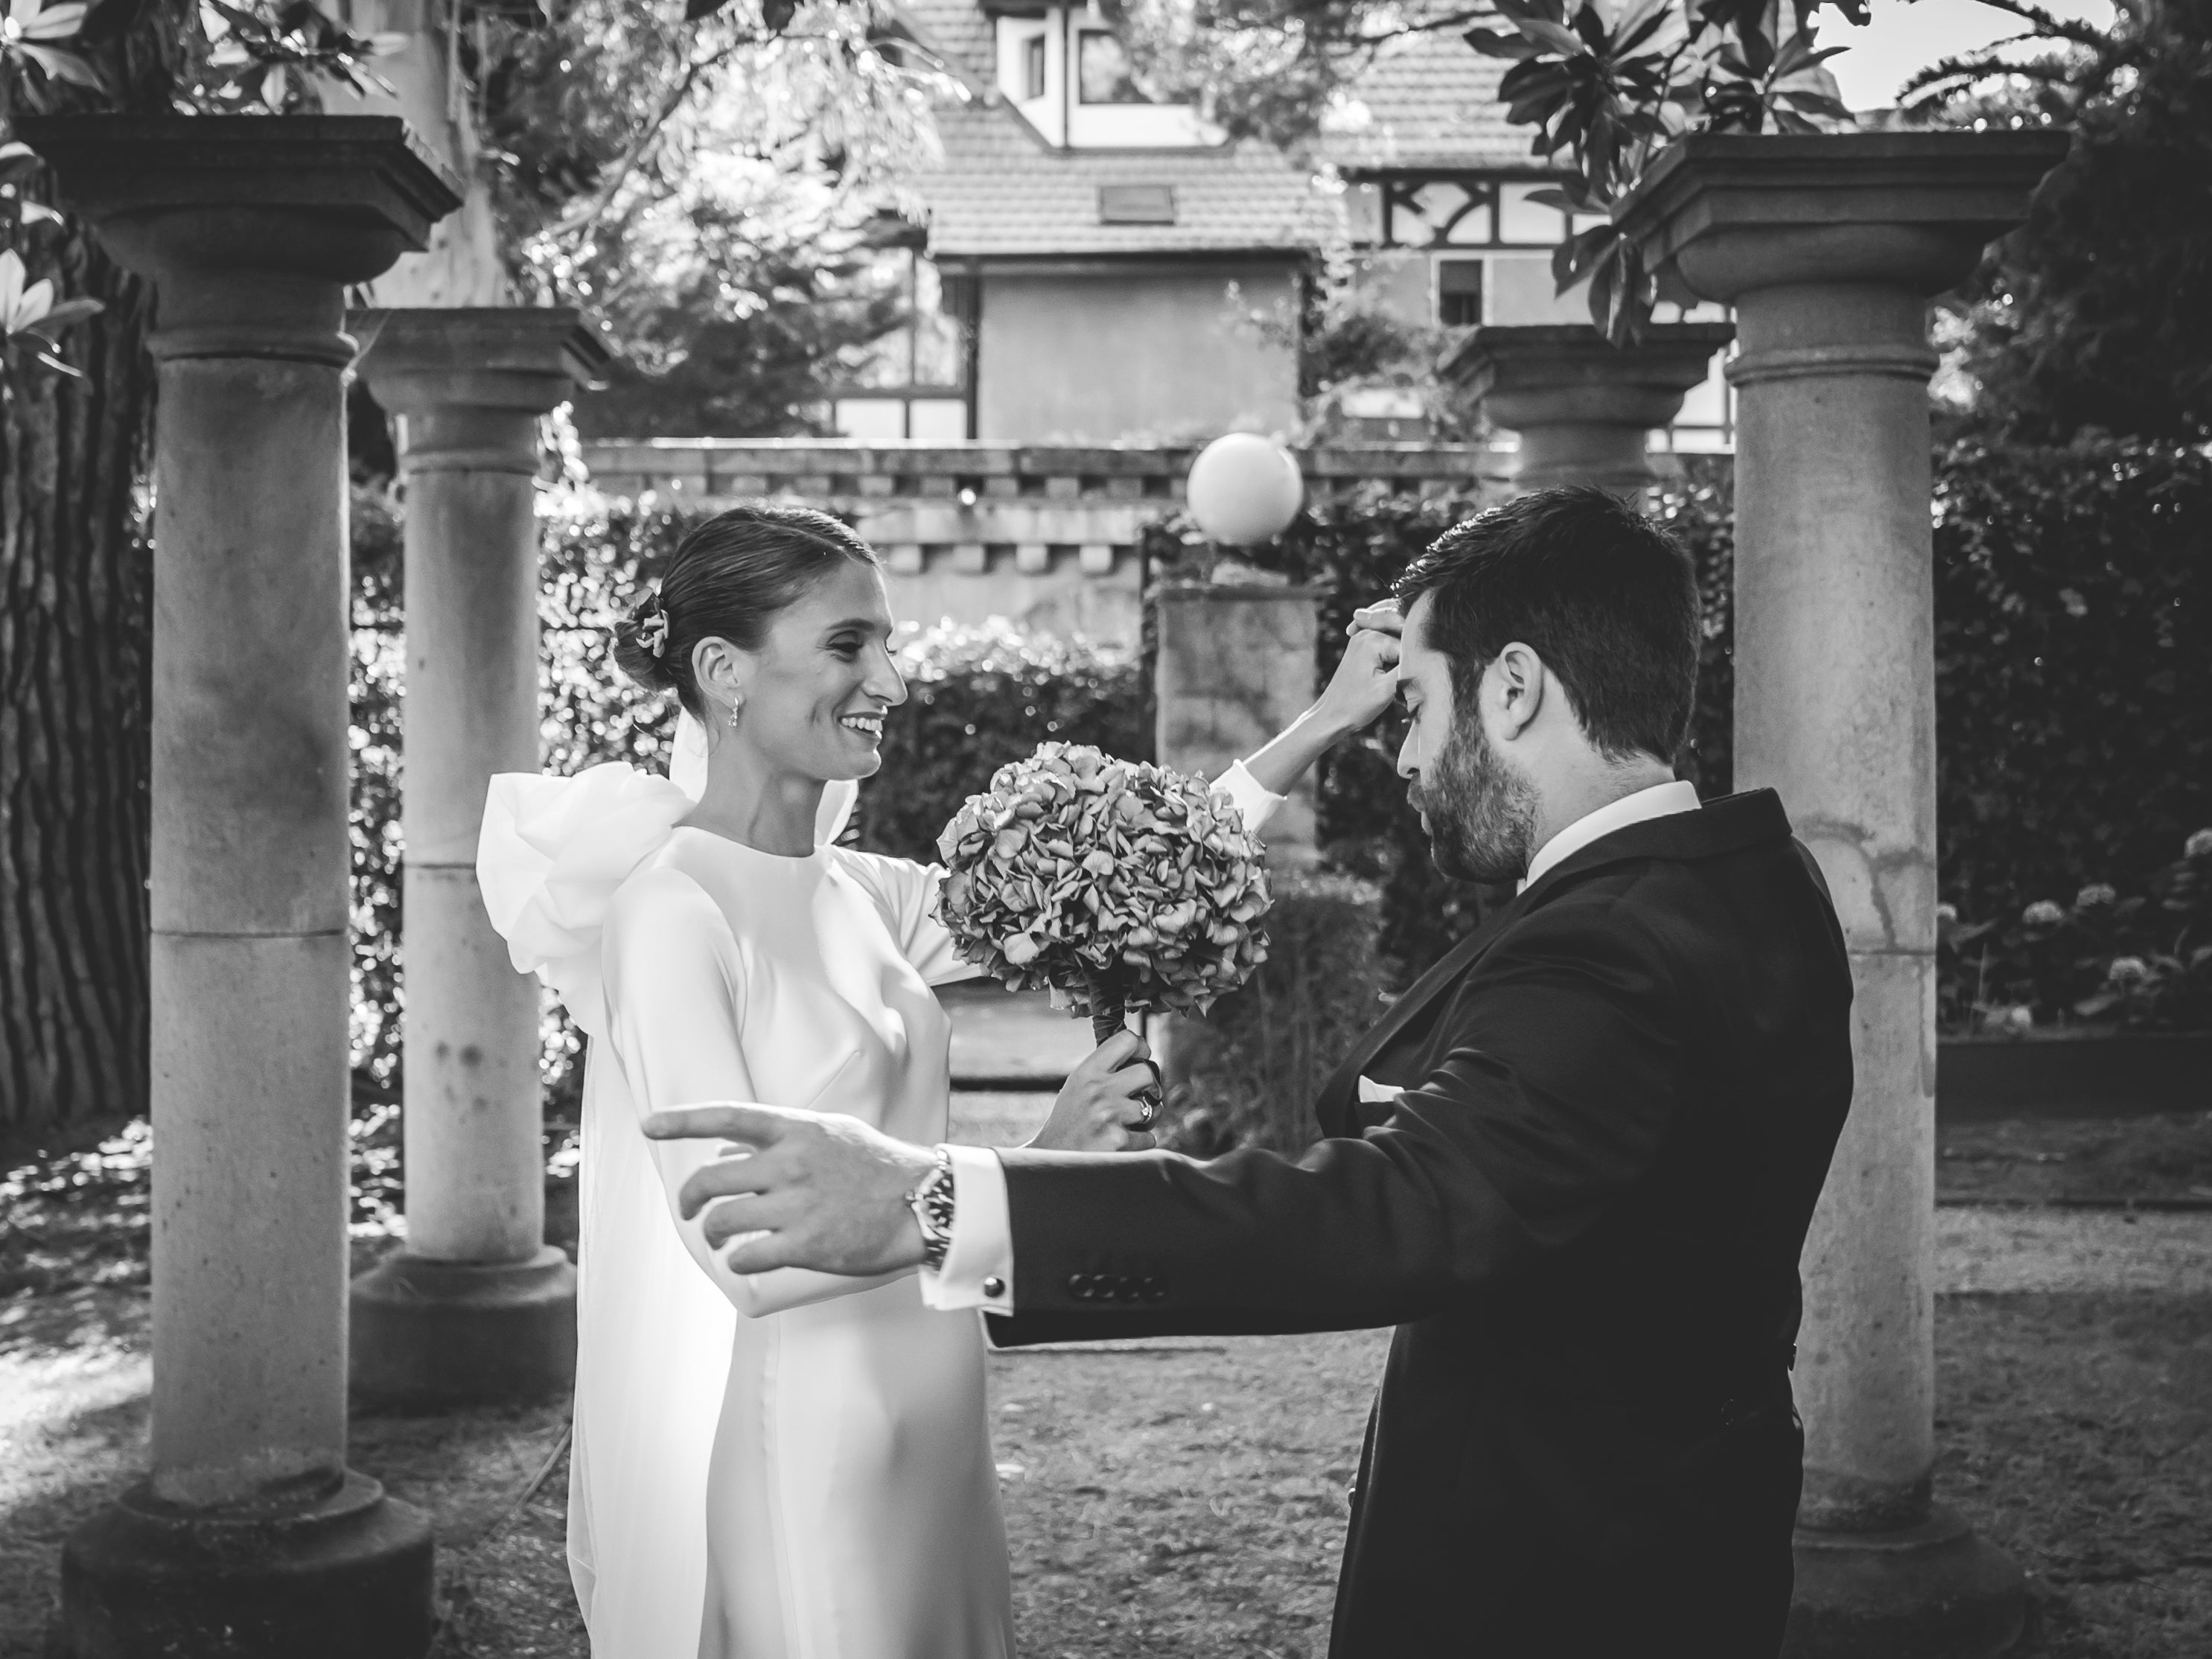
(1033, 68)
(1136, 205)
(1459, 293)
(1101, 71)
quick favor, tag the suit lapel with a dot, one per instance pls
(1339, 1094)
(1719, 826)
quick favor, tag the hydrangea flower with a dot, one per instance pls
(2198, 845)
(1120, 884)
(2127, 971)
(2043, 914)
(2095, 894)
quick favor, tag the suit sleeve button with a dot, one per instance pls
(994, 1285)
(1155, 1289)
(1079, 1286)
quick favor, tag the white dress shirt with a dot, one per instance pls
(979, 1263)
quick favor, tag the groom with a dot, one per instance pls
(1574, 1166)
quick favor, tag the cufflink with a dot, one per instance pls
(994, 1285)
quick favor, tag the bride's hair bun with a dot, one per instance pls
(727, 579)
(641, 643)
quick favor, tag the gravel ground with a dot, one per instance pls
(1186, 1498)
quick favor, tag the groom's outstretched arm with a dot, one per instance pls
(1562, 1074)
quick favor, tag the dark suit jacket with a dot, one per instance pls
(1583, 1214)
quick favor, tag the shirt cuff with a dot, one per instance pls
(979, 1263)
(1255, 804)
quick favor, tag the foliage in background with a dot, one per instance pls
(705, 187)
(2074, 666)
(1247, 1074)
(2097, 313)
(979, 698)
(2143, 960)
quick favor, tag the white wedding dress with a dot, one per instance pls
(786, 1465)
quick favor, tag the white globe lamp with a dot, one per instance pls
(1244, 488)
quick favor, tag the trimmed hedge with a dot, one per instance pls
(1248, 1074)
(979, 698)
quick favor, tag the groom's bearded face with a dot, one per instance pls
(1480, 810)
(1478, 807)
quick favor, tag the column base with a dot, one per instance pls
(347, 1577)
(1931, 1591)
(430, 1336)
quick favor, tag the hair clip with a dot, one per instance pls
(653, 624)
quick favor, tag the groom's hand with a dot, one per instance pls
(823, 1191)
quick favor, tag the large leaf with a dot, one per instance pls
(1494, 43)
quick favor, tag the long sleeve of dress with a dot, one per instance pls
(673, 989)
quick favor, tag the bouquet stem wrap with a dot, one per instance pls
(1109, 1009)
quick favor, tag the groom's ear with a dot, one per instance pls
(1514, 689)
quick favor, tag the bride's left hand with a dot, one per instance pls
(1103, 1106)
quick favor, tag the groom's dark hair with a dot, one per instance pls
(1602, 594)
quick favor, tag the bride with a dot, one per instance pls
(785, 1464)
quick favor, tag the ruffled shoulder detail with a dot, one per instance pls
(551, 855)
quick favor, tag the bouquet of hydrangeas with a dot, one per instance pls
(1120, 884)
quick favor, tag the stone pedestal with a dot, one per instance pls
(1235, 667)
(251, 1537)
(1585, 409)
(476, 1307)
(1830, 248)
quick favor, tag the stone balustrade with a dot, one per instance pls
(1051, 530)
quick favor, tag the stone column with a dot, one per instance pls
(476, 1307)
(1235, 667)
(1584, 408)
(1829, 248)
(251, 1537)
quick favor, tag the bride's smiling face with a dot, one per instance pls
(814, 693)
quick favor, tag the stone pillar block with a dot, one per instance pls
(469, 387)
(251, 1536)
(1235, 664)
(1829, 248)
(1585, 409)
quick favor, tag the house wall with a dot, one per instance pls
(1099, 355)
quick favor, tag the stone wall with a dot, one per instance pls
(1044, 536)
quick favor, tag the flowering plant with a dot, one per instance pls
(1118, 884)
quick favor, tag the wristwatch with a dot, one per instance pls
(931, 1204)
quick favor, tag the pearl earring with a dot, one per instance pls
(735, 704)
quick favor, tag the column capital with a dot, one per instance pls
(248, 225)
(1736, 212)
(1559, 372)
(512, 357)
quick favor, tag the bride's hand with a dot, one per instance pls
(1099, 1108)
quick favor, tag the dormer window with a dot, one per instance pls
(1068, 75)
(1102, 69)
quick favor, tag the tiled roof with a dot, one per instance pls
(1003, 192)
(1431, 103)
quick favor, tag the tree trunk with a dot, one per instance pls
(76, 642)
